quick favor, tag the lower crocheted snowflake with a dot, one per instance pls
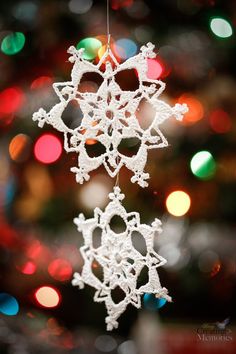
(120, 261)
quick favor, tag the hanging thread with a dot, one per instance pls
(108, 25)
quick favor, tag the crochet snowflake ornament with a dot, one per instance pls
(120, 261)
(109, 115)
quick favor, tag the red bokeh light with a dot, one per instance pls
(118, 4)
(155, 69)
(34, 250)
(60, 269)
(27, 268)
(220, 121)
(41, 82)
(48, 148)
(11, 100)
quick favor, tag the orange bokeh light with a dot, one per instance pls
(19, 148)
(196, 109)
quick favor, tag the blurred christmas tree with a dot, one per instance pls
(39, 197)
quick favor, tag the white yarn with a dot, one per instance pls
(120, 261)
(122, 106)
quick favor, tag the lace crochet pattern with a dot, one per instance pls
(109, 115)
(120, 261)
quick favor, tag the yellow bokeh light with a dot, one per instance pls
(178, 203)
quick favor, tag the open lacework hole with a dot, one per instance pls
(97, 237)
(90, 82)
(87, 87)
(96, 149)
(139, 243)
(130, 261)
(145, 114)
(129, 146)
(117, 224)
(143, 277)
(97, 270)
(117, 295)
(127, 80)
(72, 115)
(109, 114)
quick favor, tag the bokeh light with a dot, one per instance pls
(178, 203)
(127, 347)
(48, 148)
(80, 6)
(215, 269)
(19, 148)
(221, 27)
(203, 165)
(47, 296)
(138, 9)
(220, 121)
(13, 43)
(125, 48)
(196, 110)
(118, 4)
(25, 11)
(155, 69)
(91, 47)
(105, 344)
(94, 193)
(27, 267)
(102, 51)
(8, 304)
(60, 269)
(35, 250)
(11, 100)
(41, 82)
(153, 303)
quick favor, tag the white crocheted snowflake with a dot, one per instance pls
(109, 115)
(121, 263)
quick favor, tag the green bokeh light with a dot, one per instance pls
(13, 43)
(91, 47)
(221, 28)
(203, 165)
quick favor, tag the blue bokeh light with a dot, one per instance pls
(152, 303)
(125, 48)
(8, 304)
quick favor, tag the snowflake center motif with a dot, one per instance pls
(120, 262)
(109, 115)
